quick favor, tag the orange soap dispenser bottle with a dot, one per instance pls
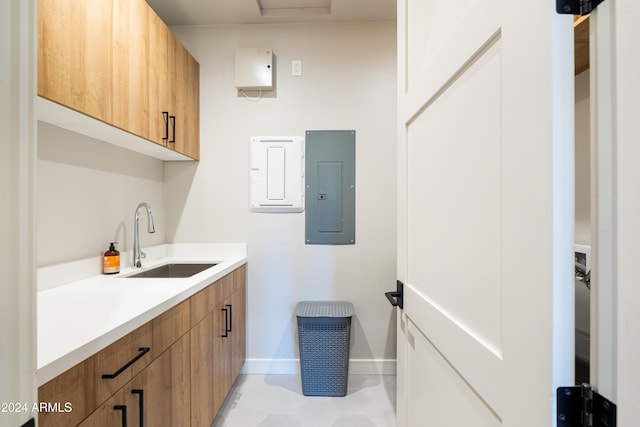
(111, 260)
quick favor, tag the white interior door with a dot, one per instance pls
(485, 212)
(615, 98)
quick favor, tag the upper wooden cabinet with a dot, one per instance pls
(130, 67)
(74, 55)
(186, 101)
(117, 62)
(160, 75)
(174, 81)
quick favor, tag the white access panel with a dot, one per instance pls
(254, 68)
(276, 174)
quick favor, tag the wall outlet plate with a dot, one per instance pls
(582, 255)
(296, 67)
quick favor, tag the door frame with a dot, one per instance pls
(17, 220)
(615, 102)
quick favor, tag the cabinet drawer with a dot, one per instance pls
(169, 327)
(223, 288)
(201, 304)
(72, 386)
(83, 386)
(239, 278)
(210, 297)
(117, 356)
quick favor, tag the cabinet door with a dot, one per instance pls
(130, 67)
(109, 414)
(203, 411)
(163, 389)
(221, 354)
(186, 105)
(238, 337)
(160, 63)
(74, 55)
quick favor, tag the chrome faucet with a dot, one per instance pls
(138, 255)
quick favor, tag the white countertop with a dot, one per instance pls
(76, 320)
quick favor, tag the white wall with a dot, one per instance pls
(87, 193)
(348, 82)
(583, 160)
(87, 190)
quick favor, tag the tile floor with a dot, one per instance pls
(277, 401)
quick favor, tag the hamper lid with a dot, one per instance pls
(324, 309)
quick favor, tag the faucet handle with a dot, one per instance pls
(143, 255)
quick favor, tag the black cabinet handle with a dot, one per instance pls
(226, 322)
(230, 316)
(396, 298)
(142, 350)
(140, 394)
(122, 408)
(173, 127)
(165, 116)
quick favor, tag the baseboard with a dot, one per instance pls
(292, 366)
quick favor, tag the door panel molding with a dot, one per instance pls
(456, 343)
(476, 26)
(440, 394)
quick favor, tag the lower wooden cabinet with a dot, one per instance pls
(238, 337)
(183, 364)
(159, 395)
(203, 410)
(109, 414)
(217, 346)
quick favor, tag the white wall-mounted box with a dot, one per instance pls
(254, 68)
(277, 174)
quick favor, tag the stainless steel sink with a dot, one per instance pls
(173, 270)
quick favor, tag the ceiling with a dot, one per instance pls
(229, 12)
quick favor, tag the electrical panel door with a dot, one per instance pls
(330, 187)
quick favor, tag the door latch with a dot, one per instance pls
(396, 298)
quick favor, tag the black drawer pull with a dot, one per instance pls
(173, 126)
(230, 316)
(226, 322)
(122, 408)
(142, 350)
(140, 394)
(165, 116)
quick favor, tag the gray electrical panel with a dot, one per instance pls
(330, 182)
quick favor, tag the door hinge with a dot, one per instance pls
(576, 7)
(580, 406)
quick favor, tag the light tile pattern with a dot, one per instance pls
(277, 401)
